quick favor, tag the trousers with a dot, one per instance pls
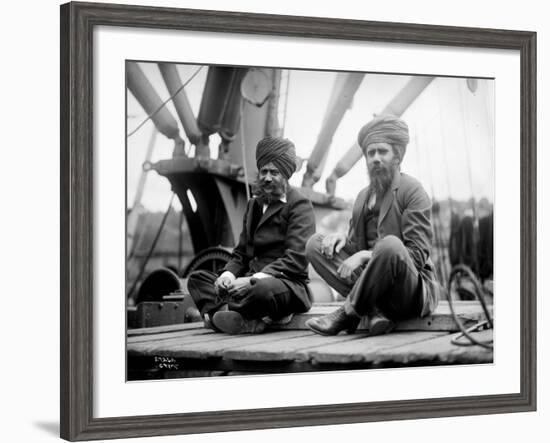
(268, 297)
(388, 282)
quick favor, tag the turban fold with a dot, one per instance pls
(279, 151)
(385, 129)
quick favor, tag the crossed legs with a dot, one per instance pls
(387, 284)
(268, 297)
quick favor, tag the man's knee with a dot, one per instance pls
(264, 288)
(200, 276)
(313, 246)
(390, 246)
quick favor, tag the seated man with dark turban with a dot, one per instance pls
(382, 266)
(265, 281)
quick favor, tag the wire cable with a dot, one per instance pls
(164, 103)
(285, 109)
(243, 148)
(153, 246)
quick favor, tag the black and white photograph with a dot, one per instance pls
(284, 220)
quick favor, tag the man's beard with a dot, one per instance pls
(381, 178)
(269, 191)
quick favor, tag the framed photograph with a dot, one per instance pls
(261, 213)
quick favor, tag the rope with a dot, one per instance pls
(470, 179)
(180, 240)
(467, 150)
(444, 145)
(286, 103)
(243, 149)
(152, 248)
(440, 248)
(478, 292)
(164, 103)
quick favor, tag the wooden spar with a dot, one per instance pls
(345, 86)
(397, 106)
(145, 94)
(173, 83)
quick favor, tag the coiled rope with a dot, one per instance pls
(458, 274)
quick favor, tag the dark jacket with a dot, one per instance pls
(277, 245)
(405, 211)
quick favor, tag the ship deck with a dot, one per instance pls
(190, 350)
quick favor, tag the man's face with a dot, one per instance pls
(382, 163)
(272, 182)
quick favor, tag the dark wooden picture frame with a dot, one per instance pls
(77, 24)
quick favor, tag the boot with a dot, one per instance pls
(231, 322)
(379, 324)
(209, 324)
(333, 323)
(208, 318)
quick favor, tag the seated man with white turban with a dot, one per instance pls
(382, 266)
(266, 279)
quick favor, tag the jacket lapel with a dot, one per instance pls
(389, 196)
(250, 216)
(271, 210)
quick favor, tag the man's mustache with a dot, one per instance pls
(270, 184)
(272, 187)
(379, 170)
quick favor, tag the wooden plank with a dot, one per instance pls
(169, 335)
(216, 346)
(468, 312)
(439, 350)
(286, 349)
(163, 329)
(200, 336)
(365, 349)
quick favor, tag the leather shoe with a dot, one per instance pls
(209, 324)
(208, 319)
(333, 323)
(379, 324)
(231, 322)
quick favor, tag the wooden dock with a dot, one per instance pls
(190, 350)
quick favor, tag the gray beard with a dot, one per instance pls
(380, 180)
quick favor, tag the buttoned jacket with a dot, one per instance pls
(277, 245)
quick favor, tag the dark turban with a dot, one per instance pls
(280, 151)
(385, 129)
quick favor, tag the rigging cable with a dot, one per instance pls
(243, 149)
(444, 145)
(180, 240)
(165, 102)
(439, 244)
(286, 102)
(467, 143)
(152, 248)
(138, 233)
(444, 150)
(470, 179)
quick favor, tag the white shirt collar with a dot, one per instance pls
(282, 198)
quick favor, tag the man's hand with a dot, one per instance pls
(332, 244)
(224, 282)
(351, 263)
(240, 287)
